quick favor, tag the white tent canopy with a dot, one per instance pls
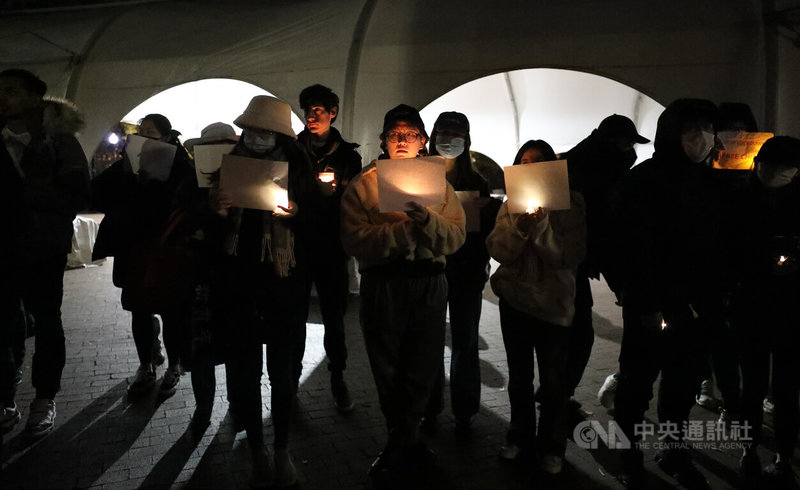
(558, 106)
(109, 57)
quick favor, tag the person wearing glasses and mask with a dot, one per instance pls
(401, 257)
(467, 271)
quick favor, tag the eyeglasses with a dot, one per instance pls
(394, 137)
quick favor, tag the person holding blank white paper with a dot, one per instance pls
(401, 256)
(539, 252)
(467, 272)
(260, 292)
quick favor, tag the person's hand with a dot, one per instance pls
(221, 202)
(286, 212)
(527, 220)
(327, 188)
(418, 212)
(653, 321)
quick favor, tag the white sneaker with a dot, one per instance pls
(768, 406)
(608, 391)
(706, 397)
(510, 451)
(285, 472)
(41, 417)
(551, 464)
(9, 417)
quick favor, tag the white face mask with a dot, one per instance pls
(259, 143)
(775, 175)
(451, 148)
(697, 145)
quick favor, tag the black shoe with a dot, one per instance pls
(631, 473)
(418, 457)
(341, 395)
(779, 474)
(463, 427)
(384, 463)
(428, 425)
(678, 464)
(750, 468)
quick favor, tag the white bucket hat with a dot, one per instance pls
(214, 132)
(267, 113)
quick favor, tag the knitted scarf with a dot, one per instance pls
(277, 241)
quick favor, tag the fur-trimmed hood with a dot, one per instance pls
(60, 116)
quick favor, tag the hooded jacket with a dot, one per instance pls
(54, 181)
(665, 220)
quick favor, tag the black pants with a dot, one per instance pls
(403, 321)
(465, 301)
(522, 336)
(581, 334)
(12, 328)
(724, 350)
(42, 293)
(767, 321)
(677, 352)
(255, 311)
(176, 331)
(331, 281)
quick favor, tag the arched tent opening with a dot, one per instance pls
(561, 107)
(190, 107)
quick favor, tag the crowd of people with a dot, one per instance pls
(698, 258)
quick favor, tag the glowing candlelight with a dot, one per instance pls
(326, 176)
(281, 198)
(782, 259)
(663, 324)
(532, 205)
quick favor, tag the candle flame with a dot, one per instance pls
(663, 324)
(326, 176)
(532, 205)
(281, 197)
(782, 259)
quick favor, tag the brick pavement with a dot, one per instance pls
(103, 442)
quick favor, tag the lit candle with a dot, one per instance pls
(532, 205)
(281, 198)
(663, 324)
(782, 259)
(326, 176)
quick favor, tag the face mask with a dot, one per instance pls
(259, 143)
(775, 176)
(697, 145)
(450, 149)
